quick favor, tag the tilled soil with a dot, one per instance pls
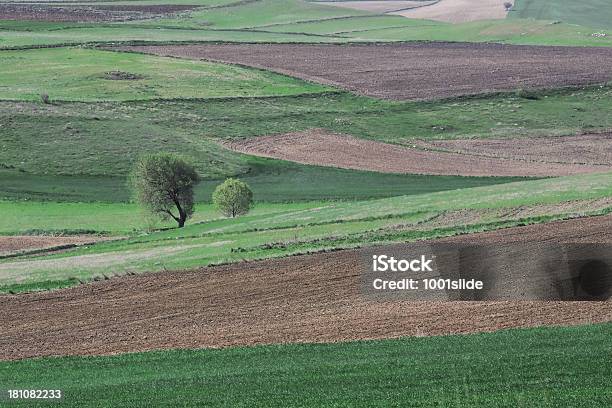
(538, 157)
(313, 298)
(18, 244)
(592, 150)
(459, 11)
(85, 13)
(414, 71)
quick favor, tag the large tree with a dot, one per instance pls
(233, 198)
(163, 183)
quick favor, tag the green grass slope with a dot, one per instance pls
(544, 367)
(588, 13)
(83, 151)
(260, 14)
(284, 230)
(155, 33)
(104, 139)
(76, 74)
(271, 181)
(302, 21)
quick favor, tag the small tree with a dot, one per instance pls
(508, 5)
(233, 198)
(163, 183)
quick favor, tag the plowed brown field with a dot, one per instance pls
(539, 157)
(17, 244)
(591, 150)
(459, 11)
(85, 13)
(314, 298)
(416, 70)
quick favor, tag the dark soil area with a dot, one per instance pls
(313, 298)
(415, 71)
(81, 13)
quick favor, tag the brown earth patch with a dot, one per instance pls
(465, 217)
(85, 13)
(122, 76)
(593, 150)
(532, 158)
(313, 298)
(147, 8)
(414, 71)
(459, 11)
(10, 245)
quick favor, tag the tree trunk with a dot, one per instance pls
(182, 218)
(182, 214)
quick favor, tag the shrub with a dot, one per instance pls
(163, 183)
(508, 5)
(527, 94)
(45, 98)
(233, 198)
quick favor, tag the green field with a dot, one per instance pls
(557, 367)
(591, 13)
(281, 230)
(105, 218)
(91, 147)
(75, 74)
(272, 181)
(560, 22)
(65, 159)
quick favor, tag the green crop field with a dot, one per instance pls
(592, 13)
(76, 116)
(273, 181)
(283, 230)
(75, 74)
(76, 141)
(553, 366)
(531, 22)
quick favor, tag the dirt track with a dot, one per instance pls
(313, 298)
(414, 71)
(511, 157)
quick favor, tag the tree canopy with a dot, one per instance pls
(163, 183)
(233, 198)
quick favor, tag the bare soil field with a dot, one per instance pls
(41, 12)
(312, 298)
(591, 150)
(17, 244)
(520, 157)
(415, 71)
(459, 11)
(377, 6)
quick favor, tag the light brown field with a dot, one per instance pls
(520, 157)
(10, 245)
(594, 149)
(459, 11)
